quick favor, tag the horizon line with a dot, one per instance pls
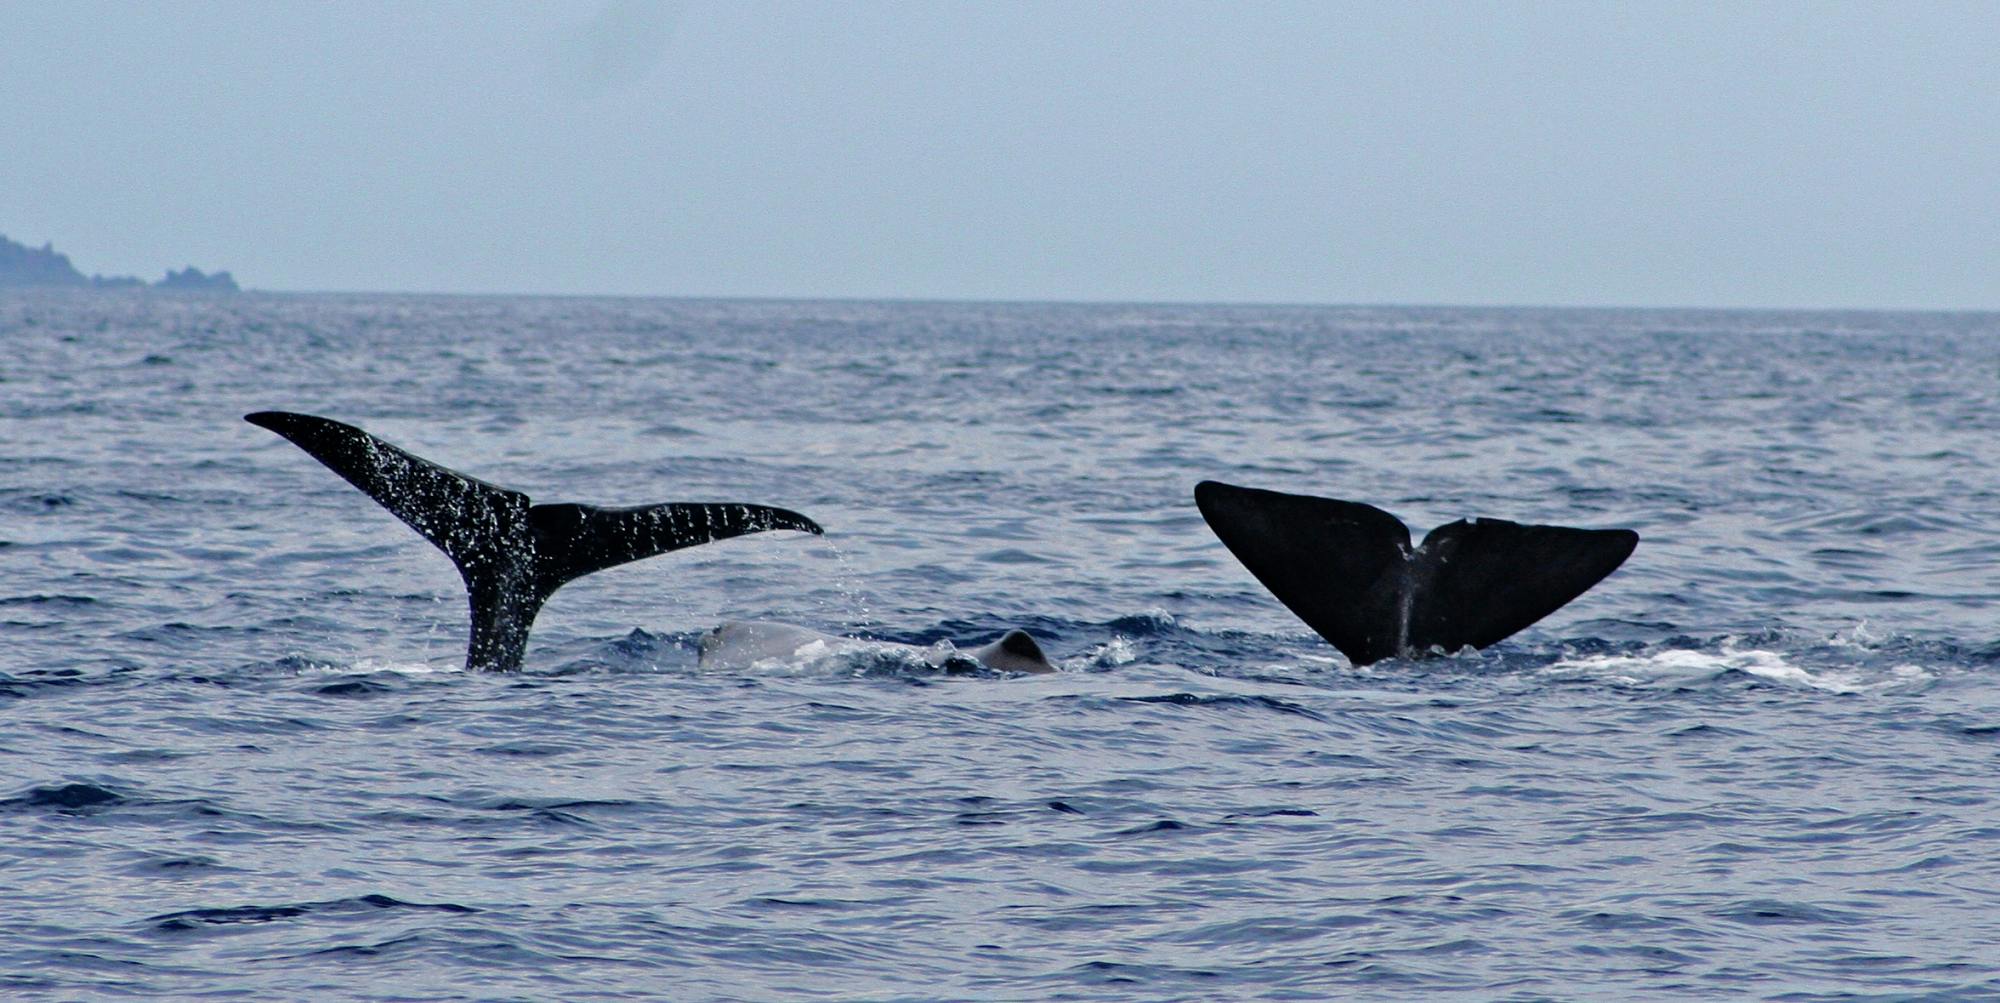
(1030, 301)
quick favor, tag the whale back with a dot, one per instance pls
(744, 644)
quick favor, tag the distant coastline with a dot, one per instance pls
(24, 267)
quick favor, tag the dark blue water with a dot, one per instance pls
(1763, 759)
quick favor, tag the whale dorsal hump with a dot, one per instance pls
(1015, 651)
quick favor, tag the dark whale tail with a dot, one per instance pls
(512, 554)
(1348, 570)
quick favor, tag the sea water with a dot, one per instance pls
(240, 758)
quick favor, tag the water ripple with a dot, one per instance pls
(1754, 762)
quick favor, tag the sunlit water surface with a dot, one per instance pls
(241, 759)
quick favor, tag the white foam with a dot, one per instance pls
(1118, 651)
(365, 666)
(1687, 664)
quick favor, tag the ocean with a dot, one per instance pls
(241, 758)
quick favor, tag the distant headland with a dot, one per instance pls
(23, 267)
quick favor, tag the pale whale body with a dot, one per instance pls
(743, 645)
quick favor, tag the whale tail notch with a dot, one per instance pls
(512, 554)
(1348, 570)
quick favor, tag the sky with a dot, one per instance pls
(1671, 154)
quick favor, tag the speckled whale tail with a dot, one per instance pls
(1348, 570)
(512, 554)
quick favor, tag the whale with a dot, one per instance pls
(513, 554)
(747, 644)
(1347, 569)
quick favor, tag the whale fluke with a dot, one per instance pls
(1348, 570)
(512, 554)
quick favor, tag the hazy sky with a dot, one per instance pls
(1756, 154)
